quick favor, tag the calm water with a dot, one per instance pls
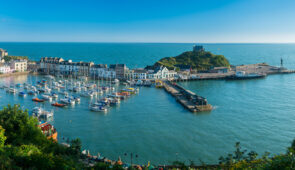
(258, 113)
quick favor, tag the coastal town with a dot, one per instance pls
(158, 76)
(60, 67)
(65, 82)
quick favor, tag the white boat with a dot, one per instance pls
(139, 83)
(33, 91)
(114, 101)
(76, 89)
(98, 108)
(87, 94)
(50, 77)
(3, 87)
(240, 75)
(67, 101)
(77, 99)
(11, 90)
(41, 113)
(54, 95)
(116, 81)
(46, 97)
(64, 93)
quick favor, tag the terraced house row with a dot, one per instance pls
(59, 66)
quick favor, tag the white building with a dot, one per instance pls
(102, 71)
(161, 73)
(50, 65)
(3, 53)
(139, 74)
(18, 65)
(57, 66)
(5, 69)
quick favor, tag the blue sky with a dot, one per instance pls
(206, 21)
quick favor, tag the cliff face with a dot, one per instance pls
(202, 60)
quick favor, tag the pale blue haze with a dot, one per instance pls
(258, 113)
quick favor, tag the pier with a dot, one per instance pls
(259, 68)
(187, 98)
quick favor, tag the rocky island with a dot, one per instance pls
(198, 59)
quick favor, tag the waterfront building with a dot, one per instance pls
(157, 74)
(161, 73)
(83, 68)
(76, 69)
(66, 68)
(18, 65)
(129, 74)
(120, 69)
(139, 74)
(3, 53)
(58, 66)
(50, 65)
(198, 48)
(33, 66)
(5, 69)
(102, 71)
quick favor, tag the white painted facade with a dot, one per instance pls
(102, 72)
(162, 73)
(5, 69)
(19, 65)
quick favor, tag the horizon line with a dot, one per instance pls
(141, 42)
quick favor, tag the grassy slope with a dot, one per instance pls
(198, 60)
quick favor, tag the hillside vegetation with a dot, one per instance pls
(197, 60)
(8, 58)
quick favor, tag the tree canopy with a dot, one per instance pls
(201, 60)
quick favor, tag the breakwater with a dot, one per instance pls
(188, 99)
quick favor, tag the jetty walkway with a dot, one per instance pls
(188, 99)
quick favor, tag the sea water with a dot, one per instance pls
(258, 113)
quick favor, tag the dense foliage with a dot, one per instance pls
(202, 60)
(22, 144)
(241, 159)
(8, 58)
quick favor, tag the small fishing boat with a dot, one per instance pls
(67, 101)
(76, 89)
(54, 95)
(98, 109)
(116, 81)
(12, 90)
(76, 98)
(147, 83)
(56, 104)
(114, 101)
(18, 85)
(23, 94)
(33, 92)
(42, 114)
(46, 97)
(64, 93)
(37, 100)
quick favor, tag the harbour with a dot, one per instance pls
(143, 123)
